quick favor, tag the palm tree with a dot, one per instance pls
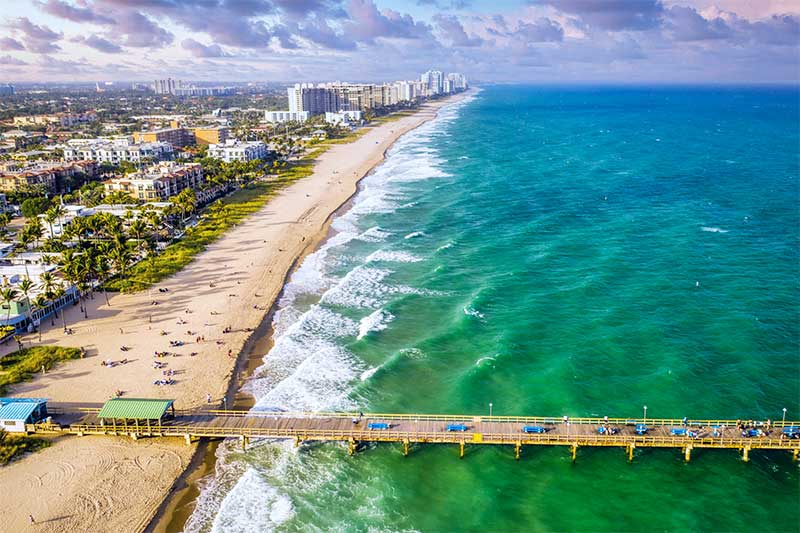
(5, 220)
(58, 293)
(26, 286)
(48, 283)
(120, 257)
(41, 302)
(35, 229)
(8, 295)
(102, 271)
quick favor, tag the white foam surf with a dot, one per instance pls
(309, 367)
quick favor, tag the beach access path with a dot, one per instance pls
(111, 483)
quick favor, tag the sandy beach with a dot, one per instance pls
(115, 484)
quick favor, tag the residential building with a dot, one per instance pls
(434, 81)
(343, 117)
(176, 136)
(235, 150)
(314, 100)
(66, 120)
(159, 182)
(167, 86)
(210, 135)
(117, 151)
(286, 116)
(16, 175)
(203, 91)
(7, 90)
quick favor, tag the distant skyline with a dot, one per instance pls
(548, 41)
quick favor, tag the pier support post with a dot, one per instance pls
(687, 453)
(630, 452)
(297, 441)
(574, 451)
(461, 452)
(352, 447)
(245, 441)
(517, 450)
(405, 448)
(795, 454)
(134, 436)
(188, 438)
(746, 454)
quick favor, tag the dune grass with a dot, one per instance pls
(22, 365)
(12, 446)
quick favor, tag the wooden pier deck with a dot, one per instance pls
(408, 429)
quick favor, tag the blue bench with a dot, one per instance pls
(752, 433)
(377, 425)
(641, 429)
(456, 427)
(678, 432)
(533, 429)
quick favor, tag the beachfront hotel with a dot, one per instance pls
(158, 182)
(236, 150)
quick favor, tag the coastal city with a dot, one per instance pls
(88, 193)
(390, 266)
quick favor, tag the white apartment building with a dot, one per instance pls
(286, 116)
(235, 150)
(116, 151)
(343, 117)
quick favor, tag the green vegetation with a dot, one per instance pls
(21, 365)
(216, 219)
(12, 446)
(34, 206)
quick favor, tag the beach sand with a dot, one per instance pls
(113, 483)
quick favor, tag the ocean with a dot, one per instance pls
(552, 251)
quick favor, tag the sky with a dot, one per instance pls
(532, 41)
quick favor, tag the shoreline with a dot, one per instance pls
(185, 490)
(112, 483)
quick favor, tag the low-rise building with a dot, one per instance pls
(286, 116)
(344, 118)
(117, 151)
(20, 313)
(235, 150)
(176, 136)
(210, 135)
(16, 175)
(66, 120)
(159, 182)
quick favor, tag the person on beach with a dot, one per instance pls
(31, 520)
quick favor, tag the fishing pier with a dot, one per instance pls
(157, 418)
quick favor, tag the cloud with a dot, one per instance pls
(613, 15)
(9, 60)
(198, 49)
(367, 23)
(98, 43)
(539, 31)
(776, 30)
(453, 30)
(63, 10)
(141, 32)
(321, 33)
(7, 43)
(686, 24)
(37, 39)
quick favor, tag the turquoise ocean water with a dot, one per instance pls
(579, 251)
